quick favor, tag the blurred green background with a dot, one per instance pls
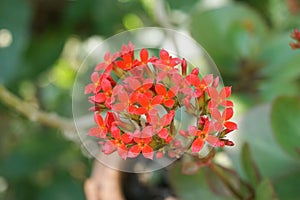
(43, 42)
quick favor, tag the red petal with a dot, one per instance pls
(107, 56)
(216, 82)
(89, 88)
(228, 113)
(106, 85)
(133, 83)
(95, 77)
(139, 111)
(101, 66)
(99, 120)
(163, 133)
(157, 100)
(144, 55)
(118, 107)
(213, 93)
(148, 152)
(160, 89)
(218, 126)
(229, 103)
(123, 97)
(164, 55)
(197, 145)
(166, 120)
(122, 151)
(208, 79)
(134, 151)
(215, 113)
(213, 140)
(169, 103)
(147, 133)
(225, 92)
(126, 138)
(100, 97)
(108, 147)
(230, 125)
(95, 132)
(115, 131)
(195, 71)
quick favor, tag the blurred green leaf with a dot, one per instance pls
(265, 191)
(43, 51)
(249, 165)
(191, 187)
(287, 187)
(185, 6)
(63, 189)
(285, 118)
(230, 34)
(255, 129)
(18, 25)
(281, 68)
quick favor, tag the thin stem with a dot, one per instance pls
(220, 173)
(33, 113)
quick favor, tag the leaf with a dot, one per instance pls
(287, 187)
(191, 187)
(230, 34)
(19, 29)
(249, 165)
(279, 62)
(265, 191)
(285, 118)
(255, 129)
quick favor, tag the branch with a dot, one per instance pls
(33, 113)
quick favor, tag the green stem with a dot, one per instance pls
(220, 173)
(33, 113)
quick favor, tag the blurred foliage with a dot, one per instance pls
(45, 42)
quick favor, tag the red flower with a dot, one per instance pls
(105, 95)
(124, 103)
(166, 62)
(202, 136)
(222, 119)
(144, 55)
(146, 103)
(167, 96)
(200, 85)
(296, 36)
(142, 144)
(159, 124)
(116, 143)
(94, 87)
(101, 130)
(107, 65)
(219, 98)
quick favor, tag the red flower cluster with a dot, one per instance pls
(136, 100)
(296, 36)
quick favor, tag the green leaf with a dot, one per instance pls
(265, 191)
(255, 129)
(287, 187)
(285, 118)
(191, 187)
(249, 165)
(230, 34)
(18, 27)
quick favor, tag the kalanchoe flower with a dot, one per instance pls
(136, 99)
(296, 36)
(101, 130)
